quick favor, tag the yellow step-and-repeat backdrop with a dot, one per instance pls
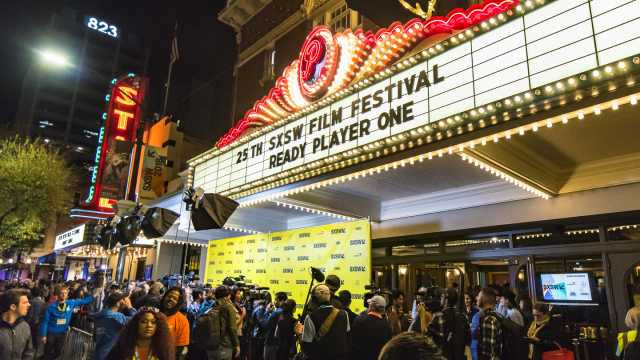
(282, 260)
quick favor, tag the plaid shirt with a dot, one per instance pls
(489, 336)
(192, 313)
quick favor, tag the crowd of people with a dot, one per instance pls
(145, 320)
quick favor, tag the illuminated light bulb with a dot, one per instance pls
(596, 73)
(472, 145)
(484, 24)
(429, 156)
(495, 138)
(580, 116)
(440, 153)
(386, 168)
(527, 95)
(565, 120)
(622, 65)
(402, 163)
(559, 85)
(395, 166)
(597, 111)
(473, 112)
(484, 142)
(634, 100)
(492, 20)
(450, 151)
(614, 106)
(420, 158)
(519, 8)
(449, 120)
(549, 88)
(476, 163)
(460, 148)
(521, 131)
(464, 157)
(481, 110)
(490, 107)
(508, 102)
(608, 69)
(411, 161)
(549, 124)
(528, 3)
(508, 135)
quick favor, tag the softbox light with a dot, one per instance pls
(127, 230)
(105, 239)
(212, 212)
(157, 221)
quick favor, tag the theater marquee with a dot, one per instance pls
(354, 97)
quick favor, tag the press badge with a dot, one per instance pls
(62, 321)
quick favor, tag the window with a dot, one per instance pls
(270, 62)
(340, 18)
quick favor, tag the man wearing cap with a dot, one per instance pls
(333, 283)
(109, 322)
(370, 332)
(508, 301)
(325, 329)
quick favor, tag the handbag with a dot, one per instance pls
(561, 354)
(324, 329)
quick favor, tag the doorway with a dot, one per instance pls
(140, 268)
(625, 285)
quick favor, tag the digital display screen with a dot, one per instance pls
(565, 287)
(102, 26)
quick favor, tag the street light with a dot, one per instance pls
(52, 58)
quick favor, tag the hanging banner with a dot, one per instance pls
(282, 260)
(116, 170)
(152, 173)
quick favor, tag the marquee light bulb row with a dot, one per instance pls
(169, 241)
(533, 236)
(622, 227)
(361, 56)
(459, 149)
(579, 232)
(313, 211)
(241, 230)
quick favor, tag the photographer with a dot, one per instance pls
(450, 329)
(370, 332)
(257, 341)
(241, 312)
(269, 324)
(325, 330)
(333, 283)
(229, 343)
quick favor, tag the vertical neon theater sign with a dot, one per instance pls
(114, 155)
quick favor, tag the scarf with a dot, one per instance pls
(533, 330)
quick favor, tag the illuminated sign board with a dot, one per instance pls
(113, 156)
(425, 93)
(72, 237)
(102, 26)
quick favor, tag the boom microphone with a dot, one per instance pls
(317, 275)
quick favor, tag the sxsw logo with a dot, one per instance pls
(261, 271)
(262, 250)
(209, 280)
(337, 256)
(289, 248)
(357, 242)
(303, 258)
(322, 269)
(359, 228)
(287, 271)
(239, 252)
(230, 243)
(303, 235)
(341, 282)
(248, 261)
(229, 262)
(289, 294)
(251, 241)
(212, 262)
(218, 271)
(221, 253)
(319, 245)
(338, 231)
(213, 245)
(301, 282)
(275, 282)
(337, 268)
(356, 269)
(276, 238)
(299, 306)
(237, 271)
(357, 296)
(275, 259)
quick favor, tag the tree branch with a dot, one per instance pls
(7, 213)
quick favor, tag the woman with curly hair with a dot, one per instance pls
(145, 337)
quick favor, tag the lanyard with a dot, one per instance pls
(64, 307)
(137, 356)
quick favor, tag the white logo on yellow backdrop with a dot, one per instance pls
(282, 260)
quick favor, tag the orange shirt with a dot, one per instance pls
(179, 327)
(144, 353)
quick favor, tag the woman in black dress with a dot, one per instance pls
(284, 330)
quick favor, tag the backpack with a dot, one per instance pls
(209, 323)
(456, 335)
(514, 347)
(631, 351)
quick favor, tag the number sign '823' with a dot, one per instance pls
(102, 26)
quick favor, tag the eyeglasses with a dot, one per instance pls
(148, 309)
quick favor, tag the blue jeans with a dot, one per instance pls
(220, 354)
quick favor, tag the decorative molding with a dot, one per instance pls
(238, 12)
(487, 193)
(614, 171)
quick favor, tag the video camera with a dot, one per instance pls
(430, 299)
(375, 290)
(249, 292)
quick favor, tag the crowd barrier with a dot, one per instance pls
(79, 345)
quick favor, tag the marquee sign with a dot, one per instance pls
(402, 88)
(113, 156)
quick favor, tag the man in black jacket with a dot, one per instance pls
(332, 344)
(370, 332)
(450, 328)
(15, 335)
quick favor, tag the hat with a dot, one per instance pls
(115, 298)
(378, 301)
(510, 296)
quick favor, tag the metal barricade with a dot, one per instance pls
(79, 345)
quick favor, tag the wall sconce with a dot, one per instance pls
(379, 273)
(403, 269)
(521, 276)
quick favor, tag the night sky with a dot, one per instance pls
(207, 49)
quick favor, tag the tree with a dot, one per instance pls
(36, 185)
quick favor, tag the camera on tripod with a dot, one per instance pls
(430, 299)
(375, 290)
